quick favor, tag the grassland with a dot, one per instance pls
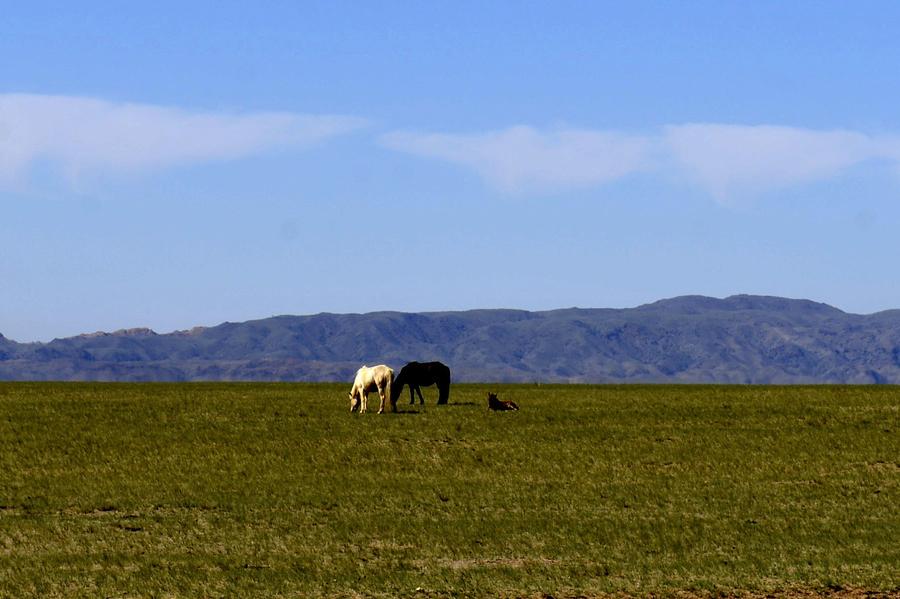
(275, 490)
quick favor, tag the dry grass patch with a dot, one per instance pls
(274, 490)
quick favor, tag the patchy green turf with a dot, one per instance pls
(237, 490)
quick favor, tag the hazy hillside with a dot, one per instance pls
(740, 339)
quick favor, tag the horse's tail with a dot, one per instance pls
(444, 386)
(389, 391)
(396, 387)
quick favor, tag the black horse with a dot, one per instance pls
(424, 374)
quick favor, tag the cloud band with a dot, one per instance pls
(91, 135)
(725, 160)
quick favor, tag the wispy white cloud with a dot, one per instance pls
(724, 160)
(523, 158)
(86, 135)
(738, 159)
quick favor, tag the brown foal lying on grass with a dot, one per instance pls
(501, 406)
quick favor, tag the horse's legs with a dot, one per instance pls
(412, 398)
(421, 399)
(381, 395)
(364, 401)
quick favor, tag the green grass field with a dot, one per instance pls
(275, 490)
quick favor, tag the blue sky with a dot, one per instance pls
(182, 164)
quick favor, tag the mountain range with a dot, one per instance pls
(689, 339)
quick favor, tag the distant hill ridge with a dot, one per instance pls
(739, 339)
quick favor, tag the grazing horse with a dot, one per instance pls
(367, 379)
(499, 405)
(425, 374)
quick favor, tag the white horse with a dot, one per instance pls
(367, 379)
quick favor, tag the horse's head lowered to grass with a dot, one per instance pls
(378, 378)
(423, 374)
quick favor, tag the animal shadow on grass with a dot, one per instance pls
(422, 409)
(401, 412)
